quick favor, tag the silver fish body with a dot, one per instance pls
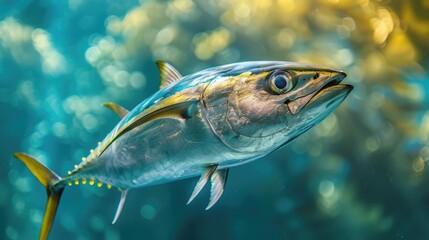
(201, 125)
(227, 127)
(161, 151)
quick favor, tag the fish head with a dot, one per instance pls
(264, 105)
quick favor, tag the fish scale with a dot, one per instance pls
(201, 124)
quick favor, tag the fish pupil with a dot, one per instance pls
(280, 82)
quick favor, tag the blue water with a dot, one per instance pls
(361, 174)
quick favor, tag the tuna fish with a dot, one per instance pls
(201, 124)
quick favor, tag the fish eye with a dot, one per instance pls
(280, 82)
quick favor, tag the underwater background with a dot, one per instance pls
(360, 174)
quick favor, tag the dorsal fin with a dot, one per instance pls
(122, 112)
(120, 205)
(168, 73)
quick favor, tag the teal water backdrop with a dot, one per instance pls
(360, 174)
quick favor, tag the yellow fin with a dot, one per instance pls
(40, 171)
(48, 179)
(168, 73)
(122, 112)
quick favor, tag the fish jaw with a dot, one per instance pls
(312, 88)
(328, 99)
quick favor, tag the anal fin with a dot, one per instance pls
(120, 205)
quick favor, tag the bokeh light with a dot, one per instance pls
(362, 172)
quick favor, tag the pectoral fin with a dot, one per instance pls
(202, 182)
(218, 180)
(181, 110)
(122, 112)
(120, 205)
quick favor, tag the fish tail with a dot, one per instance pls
(48, 179)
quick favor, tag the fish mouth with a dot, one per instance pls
(331, 94)
(334, 81)
(330, 91)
